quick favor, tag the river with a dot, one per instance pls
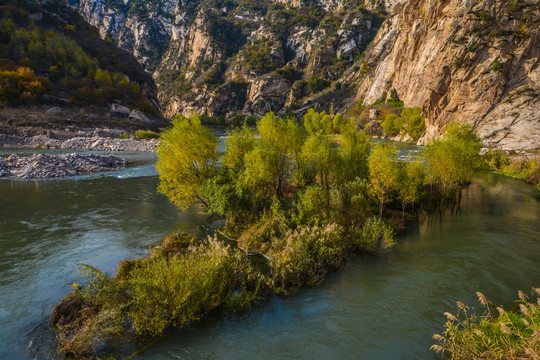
(375, 308)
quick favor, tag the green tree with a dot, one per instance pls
(239, 142)
(354, 153)
(392, 125)
(383, 173)
(340, 123)
(272, 162)
(453, 160)
(315, 122)
(410, 182)
(187, 158)
(413, 122)
(321, 156)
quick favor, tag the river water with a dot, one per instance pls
(375, 308)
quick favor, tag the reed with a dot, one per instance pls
(507, 335)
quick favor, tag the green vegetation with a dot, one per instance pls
(520, 167)
(259, 58)
(187, 156)
(495, 334)
(453, 161)
(304, 199)
(323, 123)
(410, 122)
(35, 60)
(184, 279)
(146, 135)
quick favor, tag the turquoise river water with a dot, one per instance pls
(375, 308)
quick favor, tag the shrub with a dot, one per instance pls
(414, 123)
(316, 84)
(145, 135)
(496, 66)
(392, 125)
(376, 235)
(303, 256)
(124, 135)
(183, 280)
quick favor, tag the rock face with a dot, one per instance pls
(223, 58)
(46, 166)
(465, 61)
(459, 60)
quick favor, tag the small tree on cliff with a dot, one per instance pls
(187, 157)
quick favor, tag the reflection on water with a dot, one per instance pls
(375, 308)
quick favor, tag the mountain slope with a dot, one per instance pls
(49, 54)
(465, 61)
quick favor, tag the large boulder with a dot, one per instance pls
(119, 110)
(139, 117)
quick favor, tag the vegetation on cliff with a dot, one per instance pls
(305, 200)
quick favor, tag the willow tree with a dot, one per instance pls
(383, 173)
(321, 156)
(187, 157)
(453, 160)
(272, 162)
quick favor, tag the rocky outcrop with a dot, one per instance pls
(465, 61)
(226, 59)
(42, 166)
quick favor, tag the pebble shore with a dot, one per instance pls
(42, 166)
(96, 140)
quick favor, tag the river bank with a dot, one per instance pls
(41, 166)
(82, 139)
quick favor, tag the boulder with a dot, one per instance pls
(54, 111)
(119, 110)
(139, 117)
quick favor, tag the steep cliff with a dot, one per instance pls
(465, 61)
(221, 57)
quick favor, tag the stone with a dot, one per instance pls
(374, 114)
(139, 117)
(36, 16)
(119, 110)
(55, 111)
(41, 166)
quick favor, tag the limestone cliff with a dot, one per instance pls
(466, 61)
(459, 60)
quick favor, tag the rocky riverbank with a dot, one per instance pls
(40, 166)
(85, 139)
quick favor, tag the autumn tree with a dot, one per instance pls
(453, 160)
(187, 157)
(272, 162)
(383, 173)
(411, 179)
